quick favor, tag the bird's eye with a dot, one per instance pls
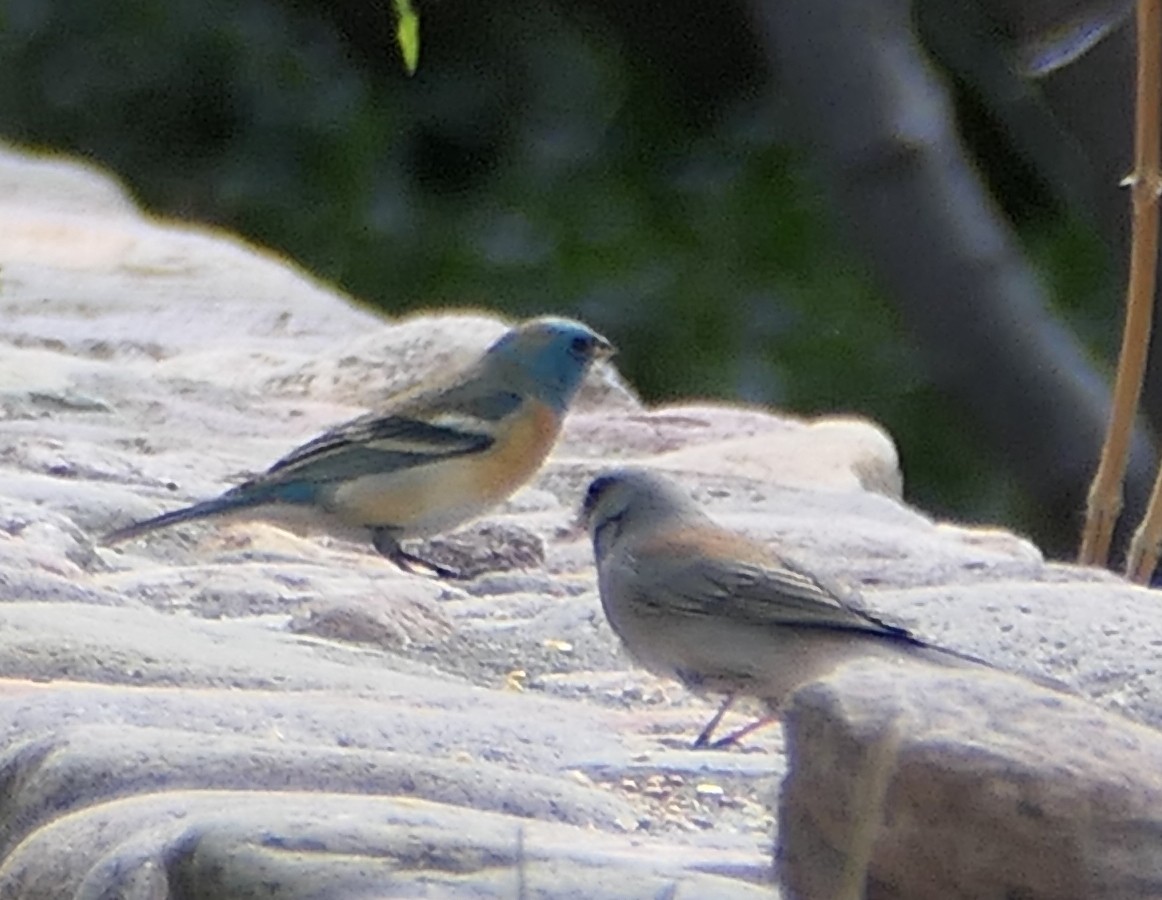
(596, 489)
(581, 345)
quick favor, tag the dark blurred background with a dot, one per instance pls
(904, 210)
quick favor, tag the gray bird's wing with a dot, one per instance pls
(765, 594)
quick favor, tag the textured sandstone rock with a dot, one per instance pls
(217, 707)
(929, 783)
(210, 845)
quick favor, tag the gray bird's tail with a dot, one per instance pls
(203, 510)
(945, 656)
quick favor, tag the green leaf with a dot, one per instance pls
(407, 34)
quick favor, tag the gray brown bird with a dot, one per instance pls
(718, 611)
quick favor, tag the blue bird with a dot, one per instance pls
(437, 455)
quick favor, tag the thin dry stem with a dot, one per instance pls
(1143, 556)
(1105, 494)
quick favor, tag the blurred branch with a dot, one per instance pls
(963, 38)
(879, 125)
(1057, 34)
(1146, 185)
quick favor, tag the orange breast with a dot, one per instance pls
(519, 452)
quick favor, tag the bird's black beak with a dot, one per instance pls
(603, 349)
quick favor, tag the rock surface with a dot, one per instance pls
(217, 708)
(927, 783)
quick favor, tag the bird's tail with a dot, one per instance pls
(946, 656)
(203, 510)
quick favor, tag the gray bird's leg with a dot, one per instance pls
(735, 736)
(703, 739)
(385, 541)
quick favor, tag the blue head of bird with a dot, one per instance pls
(547, 358)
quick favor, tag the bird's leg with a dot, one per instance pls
(703, 739)
(735, 736)
(388, 546)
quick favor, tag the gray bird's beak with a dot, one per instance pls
(576, 529)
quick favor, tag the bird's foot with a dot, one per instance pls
(409, 562)
(387, 544)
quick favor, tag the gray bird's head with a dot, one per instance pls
(548, 358)
(624, 502)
